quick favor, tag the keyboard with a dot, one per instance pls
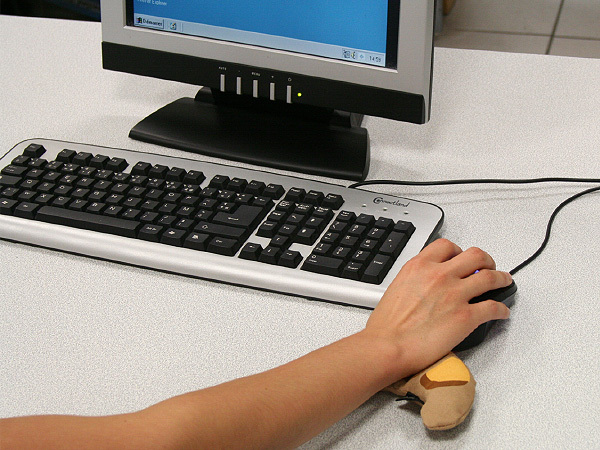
(212, 221)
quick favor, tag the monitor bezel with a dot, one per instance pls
(411, 79)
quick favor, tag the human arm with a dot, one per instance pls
(424, 313)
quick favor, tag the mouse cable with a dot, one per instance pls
(502, 181)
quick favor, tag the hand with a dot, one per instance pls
(425, 312)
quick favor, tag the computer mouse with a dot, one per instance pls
(505, 295)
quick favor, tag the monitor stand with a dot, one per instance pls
(294, 137)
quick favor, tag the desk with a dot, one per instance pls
(80, 336)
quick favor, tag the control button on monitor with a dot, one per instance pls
(272, 91)
(238, 86)
(288, 95)
(222, 82)
(255, 88)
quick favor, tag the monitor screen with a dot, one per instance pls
(320, 64)
(365, 31)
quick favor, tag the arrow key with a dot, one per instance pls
(173, 237)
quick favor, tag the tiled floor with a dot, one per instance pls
(555, 27)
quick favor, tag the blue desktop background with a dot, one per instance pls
(357, 24)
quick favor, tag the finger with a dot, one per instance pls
(470, 261)
(489, 310)
(440, 250)
(486, 280)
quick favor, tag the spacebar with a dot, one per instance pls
(87, 221)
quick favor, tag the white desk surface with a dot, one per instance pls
(81, 336)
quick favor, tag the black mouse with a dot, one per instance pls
(505, 295)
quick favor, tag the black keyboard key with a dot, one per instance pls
(219, 182)
(78, 205)
(353, 271)
(361, 256)
(9, 180)
(369, 245)
(10, 192)
(338, 227)
(7, 205)
(34, 150)
(267, 229)
(345, 216)
(377, 269)
(221, 230)
(307, 236)
(103, 175)
(357, 230)
(280, 241)
(223, 246)
(99, 161)
(194, 177)
(54, 166)
(404, 227)
(342, 253)
(376, 233)
(290, 258)
(27, 196)
(26, 210)
(88, 221)
(333, 201)
(295, 195)
(394, 244)
(176, 174)
(16, 171)
(37, 163)
(119, 177)
(97, 207)
(117, 164)
(314, 198)
(21, 160)
(66, 156)
(82, 158)
(385, 223)
(365, 219)
(149, 217)
(185, 224)
(237, 184)
(251, 251)
(270, 255)
(173, 237)
(255, 187)
(322, 249)
(273, 191)
(349, 241)
(304, 208)
(323, 213)
(323, 265)
(150, 232)
(35, 174)
(70, 168)
(61, 201)
(167, 220)
(244, 217)
(330, 238)
(113, 211)
(141, 168)
(131, 214)
(286, 206)
(197, 241)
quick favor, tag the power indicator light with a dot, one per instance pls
(299, 94)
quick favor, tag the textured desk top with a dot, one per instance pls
(83, 336)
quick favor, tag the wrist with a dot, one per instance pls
(386, 355)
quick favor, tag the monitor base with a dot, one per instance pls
(294, 137)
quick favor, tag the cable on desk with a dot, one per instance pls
(502, 181)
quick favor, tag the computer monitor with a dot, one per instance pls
(284, 83)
